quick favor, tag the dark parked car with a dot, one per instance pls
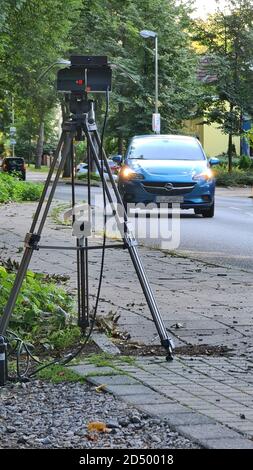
(14, 165)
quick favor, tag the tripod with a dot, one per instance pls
(82, 124)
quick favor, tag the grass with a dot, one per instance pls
(108, 360)
(42, 169)
(56, 214)
(58, 374)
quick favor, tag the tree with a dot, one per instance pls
(109, 28)
(34, 34)
(228, 41)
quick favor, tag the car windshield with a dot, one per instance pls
(165, 149)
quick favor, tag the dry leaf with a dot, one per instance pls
(100, 388)
(98, 426)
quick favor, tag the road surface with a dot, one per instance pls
(227, 239)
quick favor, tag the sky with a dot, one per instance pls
(204, 7)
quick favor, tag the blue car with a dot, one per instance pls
(166, 168)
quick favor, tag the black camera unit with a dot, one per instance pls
(86, 74)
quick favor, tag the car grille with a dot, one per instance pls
(160, 188)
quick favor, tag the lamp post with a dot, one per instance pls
(156, 117)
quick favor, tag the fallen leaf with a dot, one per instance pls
(98, 426)
(100, 388)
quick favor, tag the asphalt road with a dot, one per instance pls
(226, 239)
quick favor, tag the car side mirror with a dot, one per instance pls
(117, 159)
(214, 161)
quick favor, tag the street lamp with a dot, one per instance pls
(156, 118)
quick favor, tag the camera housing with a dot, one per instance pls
(86, 74)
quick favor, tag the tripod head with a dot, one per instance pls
(86, 74)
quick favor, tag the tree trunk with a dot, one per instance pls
(30, 151)
(120, 135)
(40, 145)
(230, 152)
(120, 145)
(67, 166)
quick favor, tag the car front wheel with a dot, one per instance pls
(207, 212)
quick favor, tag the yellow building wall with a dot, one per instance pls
(213, 140)
(216, 143)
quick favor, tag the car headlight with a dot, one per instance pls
(127, 173)
(207, 175)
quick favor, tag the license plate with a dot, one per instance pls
(169, 199)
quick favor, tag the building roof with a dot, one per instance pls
(205, 74)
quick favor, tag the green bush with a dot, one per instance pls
(245, 163)
(84, 177)
(12, 189)
(236, 178)
(43, 311)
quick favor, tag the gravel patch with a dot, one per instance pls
(45, 415)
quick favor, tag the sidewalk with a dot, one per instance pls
(206, 398)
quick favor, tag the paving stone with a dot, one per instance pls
(150, 399)
(189, 418)
(228, 443)
(84, 369)
(165, 409)
(114, 380)
(209, 431)
(103, 342)
(138, 389)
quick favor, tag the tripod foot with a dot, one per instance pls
(169, 346)
(170, 357)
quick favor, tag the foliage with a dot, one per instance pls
(228, 41)
(41, 314)
(245, 163)
(249, 136)
(80, 151)
(235, 178)
(108, 29)
(84, 177)
(33, 35)
(11, 189)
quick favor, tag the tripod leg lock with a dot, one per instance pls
(32, 240)
(130, 241)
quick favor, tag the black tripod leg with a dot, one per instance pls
(165, 340)
(82, 262)
(47, 183)
(31, 244)
(65, 152)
